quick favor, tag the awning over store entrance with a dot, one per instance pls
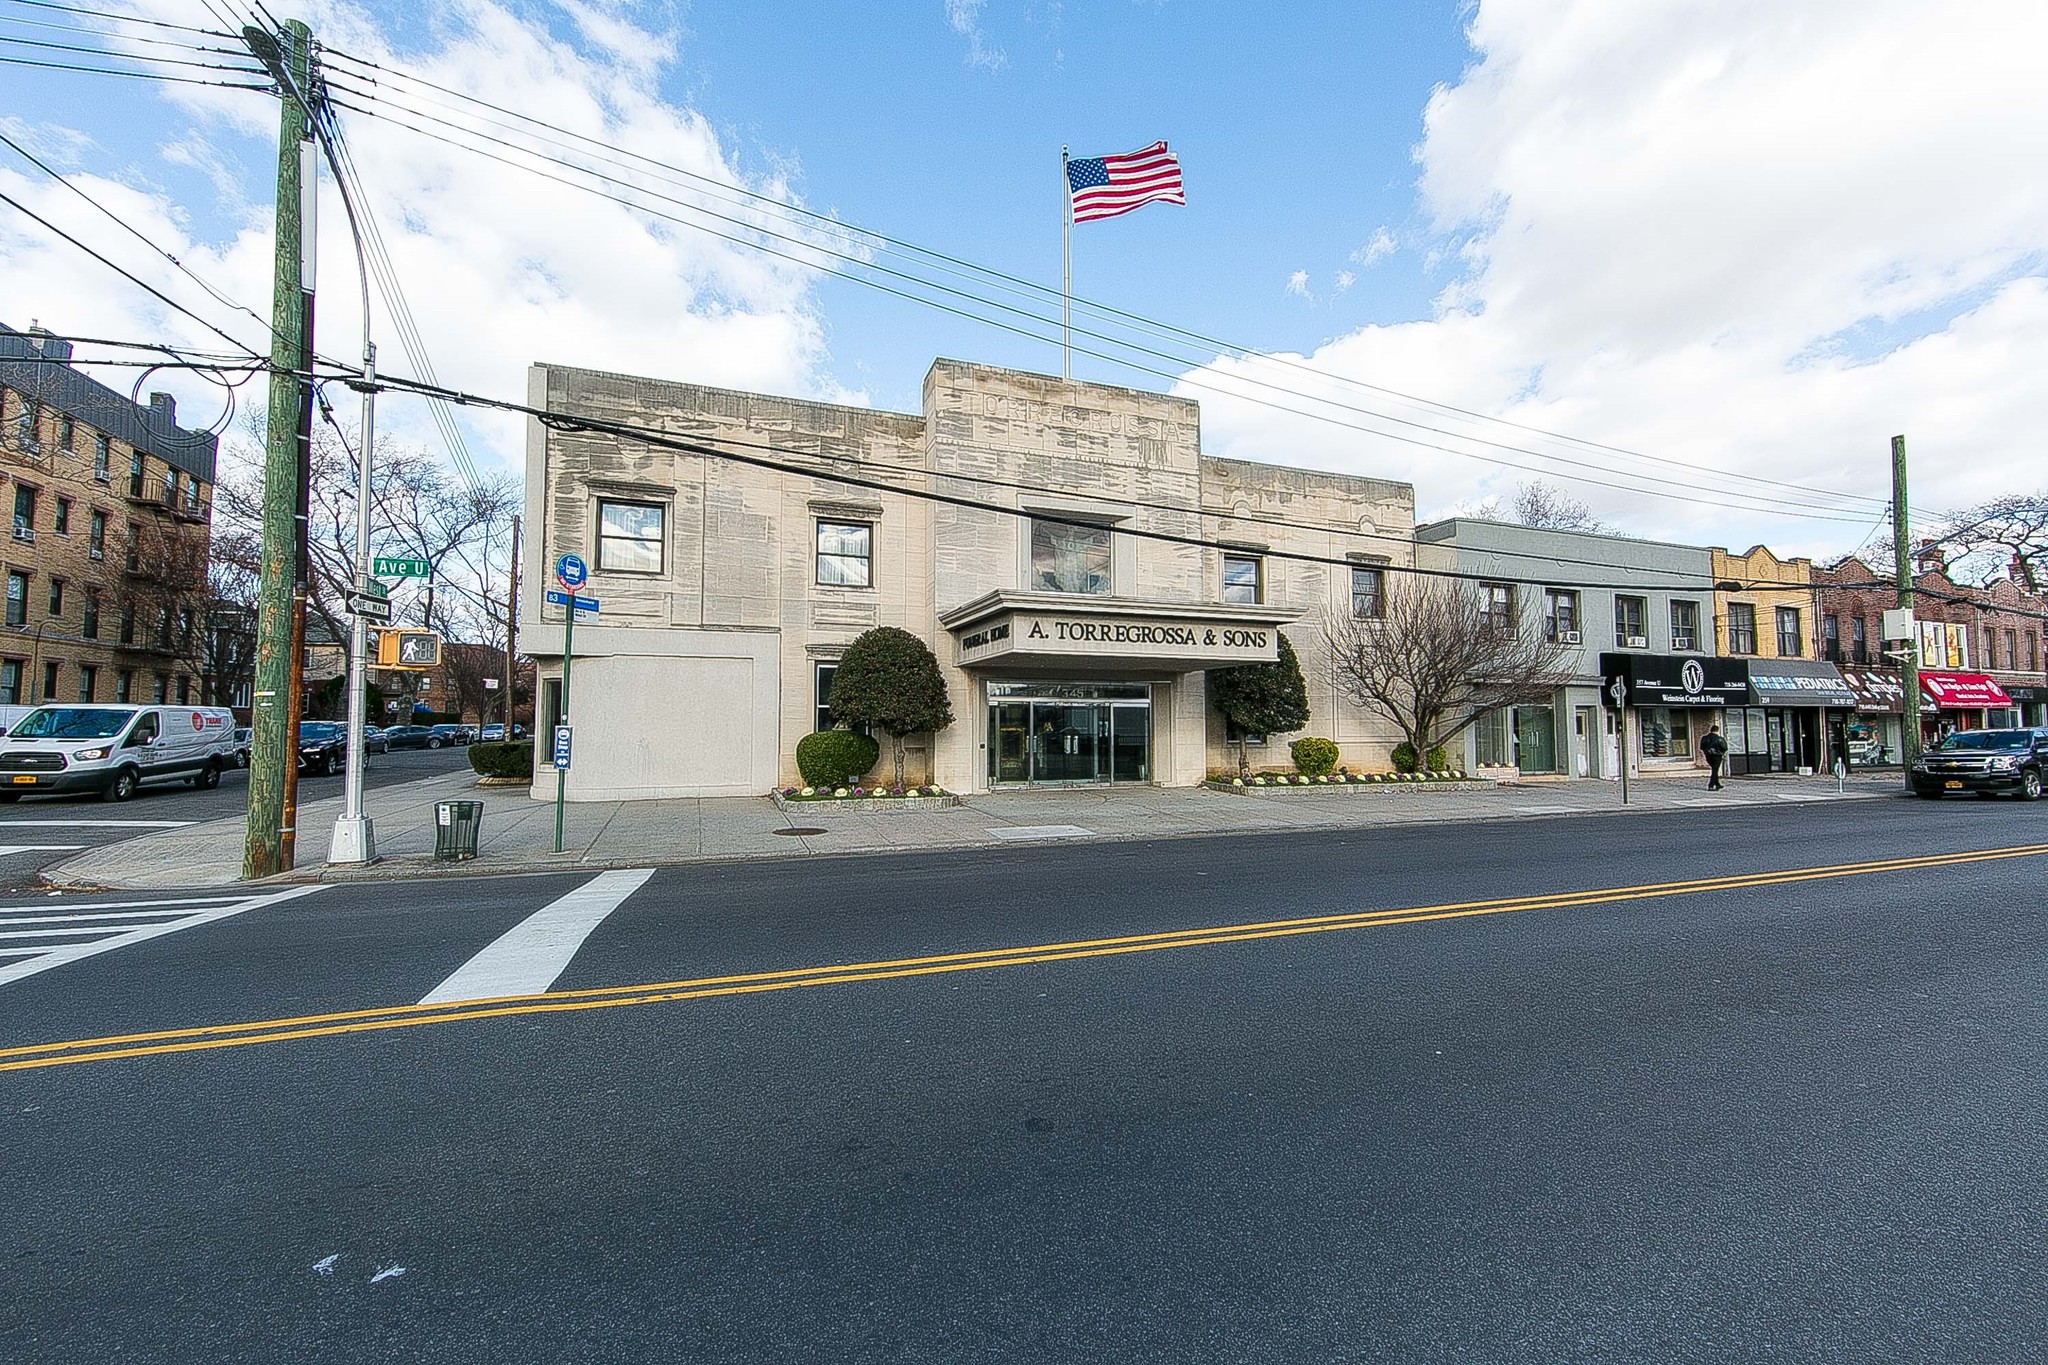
(1104, 634)
(1879, 691)
(1961, 691)
(1797, 682)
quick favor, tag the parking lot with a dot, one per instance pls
(40, 830)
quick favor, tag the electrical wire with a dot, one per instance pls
(115, 18)
(1749, 502)
(160, 76)
(128, 56)
(1018, 284)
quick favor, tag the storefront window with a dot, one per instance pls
(1667, 732)
(1069, 558)
(1490, 739)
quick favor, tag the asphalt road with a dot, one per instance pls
(1620, 1088)
(41, 830)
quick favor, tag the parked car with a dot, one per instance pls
(406, 737)
(445, 736)
(1992, 762)
(245, 739)
(373, 740)
(492, 734)
(323, 748)
(114, 750)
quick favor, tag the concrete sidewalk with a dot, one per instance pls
(518, 832)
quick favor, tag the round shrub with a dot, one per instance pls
(1406, 760)
(833, 758)
(511, 759)
(1439, 760)
(1313, 756)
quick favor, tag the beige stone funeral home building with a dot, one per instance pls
(1073, 560)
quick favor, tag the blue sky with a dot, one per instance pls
(1741, 243)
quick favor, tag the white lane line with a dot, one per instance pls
(96, 824)
(125, 905)
(10, 918)
(61, 954)
(526, 959)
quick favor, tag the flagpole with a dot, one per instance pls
(1066, 273)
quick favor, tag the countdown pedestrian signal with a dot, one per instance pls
(408, 649)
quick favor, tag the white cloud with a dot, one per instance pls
(501, 268)
(1297, 285)
(1750, 237)
(964, 18)
(1381, 246)
(1345, 279)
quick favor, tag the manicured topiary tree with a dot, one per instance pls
(888, 679)
(1261, 699)
(833, 758)
(1314, 757)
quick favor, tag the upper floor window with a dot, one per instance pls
(17, 599)
(2033, 658)
(1831, 638)
(27, 422)
(1685, 625)
(96, 536)
(1789, 643)
(1241, 582)
(62, 525)
(846, 554)
(90, 628)
(1497, 605)
(24, 512)
(1069, 558)
(137, 468)
(1630, 628)
(1560, 616)
(100, 457)
(1368, 592)
(629, 538)
(192, 492)
(66, 431)
(2012, 649)
(1742, 628)
(1859, 640)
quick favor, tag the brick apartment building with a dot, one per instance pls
(106, 554)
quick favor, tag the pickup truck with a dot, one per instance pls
(1993, 762)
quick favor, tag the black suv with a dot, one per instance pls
(323, 748)
(2009, 762)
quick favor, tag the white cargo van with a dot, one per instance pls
(113, 750)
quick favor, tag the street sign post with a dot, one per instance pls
(401, 568)
(376, 609)
(571, 572)
(564, 738)
(1618, 689)
(564, 599)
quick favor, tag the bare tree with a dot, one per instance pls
(1435, 659)
(1550, 508)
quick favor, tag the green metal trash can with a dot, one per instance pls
(455, 829)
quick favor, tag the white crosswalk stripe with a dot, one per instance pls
(38, 937)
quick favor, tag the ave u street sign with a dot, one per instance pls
(401, 568)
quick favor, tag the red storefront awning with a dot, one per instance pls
(1961, 691)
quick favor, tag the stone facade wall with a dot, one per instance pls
(1779, 583)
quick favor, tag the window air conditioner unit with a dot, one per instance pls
(1568, 637)
(23, 531)
(1638, 642)
(96, 553)
(1681, 642)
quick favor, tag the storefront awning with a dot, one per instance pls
(1961, 691)
(1796, 682)
(1105, 634)
(1879, 691)
(2025, 694)
(1677, 679)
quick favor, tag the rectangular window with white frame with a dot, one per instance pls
(846, 554)
(1685, 626)
(1497, 607)
(1070, 557)
(1368, 592)
(629, 536)
(1561, 616)
(1791, 639)
(1243, 583)
(1631, 623)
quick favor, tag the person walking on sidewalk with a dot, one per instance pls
(1713, 748)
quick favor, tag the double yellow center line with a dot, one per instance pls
(410, 1016)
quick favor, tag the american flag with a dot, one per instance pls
(1104, 186)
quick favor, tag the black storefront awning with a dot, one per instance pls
(1798, 682)
(1677, 679)
(2026, 693)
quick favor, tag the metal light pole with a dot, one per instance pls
(355, 834)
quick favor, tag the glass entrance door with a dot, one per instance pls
(1069, 734)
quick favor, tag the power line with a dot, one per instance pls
(1019, 284)
(118, 18)
(1750, 502)
(130, 56)
(160, 76)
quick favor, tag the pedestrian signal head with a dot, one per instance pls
(409, 649)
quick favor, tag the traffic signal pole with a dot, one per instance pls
(273, 761)
(355, 834)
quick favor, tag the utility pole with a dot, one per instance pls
(512, 632)
(1902, 559)
(273, 762)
